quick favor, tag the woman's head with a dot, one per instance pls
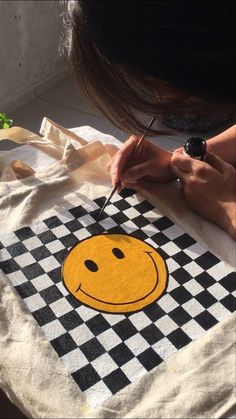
(154, 57)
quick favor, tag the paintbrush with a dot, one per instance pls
(117, 184)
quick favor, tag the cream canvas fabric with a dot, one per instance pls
(59, 170)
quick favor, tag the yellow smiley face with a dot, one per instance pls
(115, 273)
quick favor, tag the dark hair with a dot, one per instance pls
(153, 57)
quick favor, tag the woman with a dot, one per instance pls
(162, 58)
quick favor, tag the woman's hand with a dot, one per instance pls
(209, 188)
(148, 162)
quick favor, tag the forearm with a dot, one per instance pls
(224, 145)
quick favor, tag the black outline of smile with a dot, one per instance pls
(129, 302)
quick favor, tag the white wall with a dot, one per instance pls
(29, 49)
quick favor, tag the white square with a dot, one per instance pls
(220, 270)
(113, 318)
(108, 223)
(193, 287)
(8, 239)
(149, 230)
(172, 284)
(86, 313)
(81, 334)
(133, 369)
(53, 330)
(55, 246)
(137, 344)
(217, 291)
(195, 250)
(167, 303)
(129, 226)
(17, 278)
(97, 394)
(65, 217)
(193, 269)
(61, 307)
(104, 365)
(109, 339)
(173, 232)
(60, 231)
(170, 248)
(42, 282)
(82, 234)
(151, 242)
(140, 320)
(39, 227)
(111, 209)
(4, 255)
(218, 311)
(62, 289)
(131, 213)
(74, 360)
(32, 243)
(86, 220)
(166, 325)
(192, 329)
(35, 302)
(172, 265)
(132, 200)
(49, 263)
(25, 260)
(193, 307)
(151, 216)
(164, 348)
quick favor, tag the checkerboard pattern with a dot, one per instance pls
(106, 352)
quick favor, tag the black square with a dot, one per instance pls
(125, 329)
(152, 334)
(163, 254)
(178, 338)
(100, 201)
(121, 354)
(163, 223)
(26, 290)
(33, 270)
(97, 324)
(126, 193)
(229, 302)
(44, 315)
(73, 301)
(9, 266)
(143, 207)
(117, 230)
(205, 299)
(51, 294)
(207, 260)
(69, 241)
(61, 255)
(229, 282)
(86, 377)
(95, 229)
(149, 359)
(154, 312)
(181, 258)
(184, 241)
(52, 222)
(140, 234)
(78, 212)
(140, 221)
(55, 275)
(181, 276)
(205, 280)
(47, 237)
(180, 316)
(160, 239)
(40, 253)
(16, 249)
(119, 218)
(121, 205)
(206, 320)
(73, 225)
(116, 380)
(181, 295)
(71, 320)
(63, 344)
(24, 233)
(92, 349)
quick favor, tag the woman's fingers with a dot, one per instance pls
(216, 162)
(118, 162)
(136, 172)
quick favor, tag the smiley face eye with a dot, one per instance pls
(118, 253)
(91, 265)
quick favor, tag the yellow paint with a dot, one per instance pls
(115, 273)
